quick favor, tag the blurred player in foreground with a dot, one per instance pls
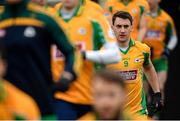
(43, 3)
(135, 57)
(11, 106)
(157, 30)
(109, 98)
(86, 33)
(27, 33)
(136, 8)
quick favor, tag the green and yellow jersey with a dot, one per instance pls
(130, 67)
(86, 34)
(159, 30)
(30, 50)
(134, 7)
(10, 104)
(92, 5)
(127, 115)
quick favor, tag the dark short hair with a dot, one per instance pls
(110, 76)
(123, 15)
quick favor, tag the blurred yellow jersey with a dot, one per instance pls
(159, 31)
(144, 4)
(89, 4)
(92, 5)
(126, 116)
(17, 103)
(86, 34)
(49, 9)
(130, 68)
(134, 7)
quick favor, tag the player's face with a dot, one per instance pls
(108, 99)
(122, 29)
(153, 3)
(2, 68)
(40, 2)
(70, 3)
(13, 1)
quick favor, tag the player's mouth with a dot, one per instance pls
(122, 35)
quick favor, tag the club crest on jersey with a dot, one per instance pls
(82, 31)
(2, 33)
(134, 10)
(30, 32)
(137, 60)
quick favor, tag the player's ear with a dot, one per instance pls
(131, 28)
(112, 26)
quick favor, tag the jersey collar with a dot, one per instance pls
(131, 43)
(126, 3)
(77, 12)
(158, 13)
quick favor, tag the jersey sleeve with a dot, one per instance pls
(98, 35)
(147, 54)
(63, 44)
(108, 7)
(170, 28)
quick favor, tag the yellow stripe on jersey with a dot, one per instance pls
(20, 21)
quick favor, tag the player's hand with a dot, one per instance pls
(166, 53)
(83, 54)
(152, 50)
(64, 83)
(157, 104)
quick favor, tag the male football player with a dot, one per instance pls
(135, 61)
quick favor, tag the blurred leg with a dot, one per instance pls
(65, 110)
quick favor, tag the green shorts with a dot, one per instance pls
(160, 64)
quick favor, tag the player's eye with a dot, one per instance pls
(126, 26)
(119, 26)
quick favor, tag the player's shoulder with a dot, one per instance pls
(166, 16)
(142, 46)
(112, 2)
(128, 115)
(95, 6)
(41, 14)
(58, 5)
(88, 116)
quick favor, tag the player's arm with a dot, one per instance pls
(144, 8)
(152, 78)
(110, 52)
(142, 28)
(171, 35)
(171, 39)
(63, 44)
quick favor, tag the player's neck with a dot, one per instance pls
(155, 9)
(125, 1)
(68, 10)
(124, 44)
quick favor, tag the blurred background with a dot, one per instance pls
(173, 83)
(172, 104)
(172, 88)
(172, 91)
